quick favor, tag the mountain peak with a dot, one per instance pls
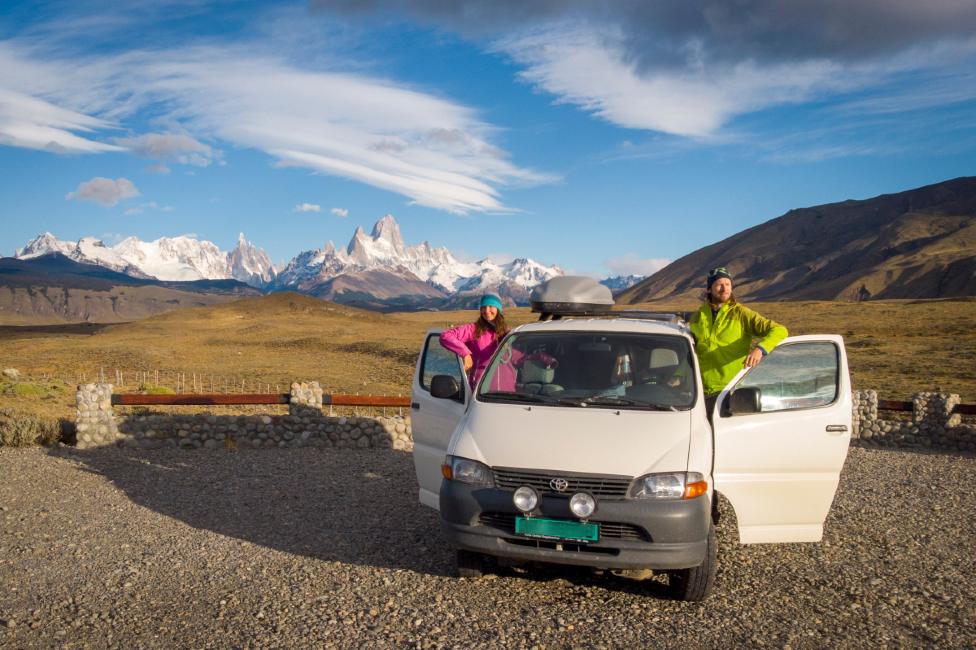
(387, 230)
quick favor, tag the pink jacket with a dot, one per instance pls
(461, 341)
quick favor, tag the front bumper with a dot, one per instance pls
(634, 533)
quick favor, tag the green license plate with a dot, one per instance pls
(577, 531)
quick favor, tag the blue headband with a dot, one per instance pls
(490, 299)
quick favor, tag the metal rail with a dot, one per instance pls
(894, 405)
(134, 399)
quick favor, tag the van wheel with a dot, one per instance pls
(696, 583)
(469, 564)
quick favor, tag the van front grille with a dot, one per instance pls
(606, 486)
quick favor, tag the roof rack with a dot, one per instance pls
(677, 318)
(569, 295)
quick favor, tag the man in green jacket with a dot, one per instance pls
(728, 336)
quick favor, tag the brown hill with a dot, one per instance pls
(915, 244)
(53, 289)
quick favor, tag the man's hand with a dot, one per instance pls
(753, 358)
(468, 362)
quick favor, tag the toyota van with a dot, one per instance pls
(586, 443)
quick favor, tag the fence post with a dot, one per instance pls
(865, 412)
(95, 422)
(932, 413)
(305, 399)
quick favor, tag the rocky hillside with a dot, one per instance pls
(915, 244)
(52, 289)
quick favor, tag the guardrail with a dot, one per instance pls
(204, 399)
(894, 405)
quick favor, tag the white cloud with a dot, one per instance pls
(307, 207)
(632, 264)
(437, 153)
(342, 213)
(158, 168)
(104, 191)
(177, 147)
(589, 68)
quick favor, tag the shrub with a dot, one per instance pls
(22, 430)
(152, 389)
(24, 389)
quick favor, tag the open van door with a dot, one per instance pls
(782, 430)
(433, 419)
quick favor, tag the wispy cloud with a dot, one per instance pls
(633, 264)
(151, 205)
(589, 68)
(691, 68)
(104, 191)
(330, 122)
(177, 147)
(342, 213)
(307, 207)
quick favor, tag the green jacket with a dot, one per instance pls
(723, 344)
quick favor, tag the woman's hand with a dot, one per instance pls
(468, 362)
(754, 357)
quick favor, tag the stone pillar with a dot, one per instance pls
(94, 420)
(933, 411)
(865, 413)
(306, 399)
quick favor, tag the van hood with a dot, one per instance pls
(589, 440)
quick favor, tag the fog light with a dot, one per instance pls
(582, 505)
(525, 499)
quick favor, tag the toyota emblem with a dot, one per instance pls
(559, 484)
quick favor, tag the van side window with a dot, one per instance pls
(439, 361)
(796, 376)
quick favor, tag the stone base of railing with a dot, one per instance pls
(932, 423)
(306, 425)
(265, 431)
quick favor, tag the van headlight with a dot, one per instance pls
(464, 470)
(674, 485)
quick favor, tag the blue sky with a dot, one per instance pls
(603, 137)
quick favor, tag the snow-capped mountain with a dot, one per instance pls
(42, 245)
(384, 250)
(376, 270)
(621, 282)
(168, 258)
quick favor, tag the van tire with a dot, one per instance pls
(469, 564)
(696, 583)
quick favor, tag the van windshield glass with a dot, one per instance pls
(592, 369)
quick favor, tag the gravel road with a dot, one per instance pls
(312, 548)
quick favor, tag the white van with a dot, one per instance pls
(587, 442)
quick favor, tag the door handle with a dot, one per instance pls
(415, 406)
(836, 428)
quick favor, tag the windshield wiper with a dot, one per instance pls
(517, 397)
(615, 400)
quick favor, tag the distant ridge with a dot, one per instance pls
(52, 288)
(920, 243)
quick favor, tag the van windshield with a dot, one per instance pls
(592, 369)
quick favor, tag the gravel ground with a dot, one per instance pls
(312, 548)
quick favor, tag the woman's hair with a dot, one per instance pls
(498, 325)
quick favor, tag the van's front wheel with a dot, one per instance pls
(696, 583)
(470, 564)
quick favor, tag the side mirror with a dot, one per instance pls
(445, 387)
(744, 401)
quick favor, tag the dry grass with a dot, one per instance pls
(897, 347)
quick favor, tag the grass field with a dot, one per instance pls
(896, 347)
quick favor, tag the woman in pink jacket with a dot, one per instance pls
(476, 342)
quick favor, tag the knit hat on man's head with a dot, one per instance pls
(715, 274)
(491, 299)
